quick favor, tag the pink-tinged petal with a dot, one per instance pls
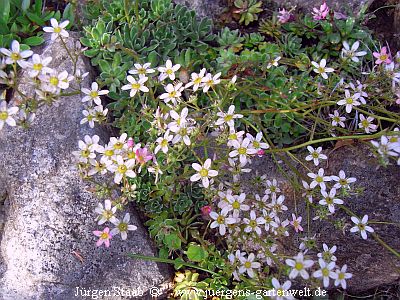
(107, 243)
(15, 46)
(99, 242)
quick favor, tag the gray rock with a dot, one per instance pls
(49, 210)
(204, 8)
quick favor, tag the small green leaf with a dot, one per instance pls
(196, 253)
(4, 10)
(35, 18)
(34, 41)
(172, 241)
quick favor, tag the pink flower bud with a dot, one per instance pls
(205, 210)
(260, 152)
(130, 143)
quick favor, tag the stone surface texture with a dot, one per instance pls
(49, 210)
(371, 264)
(204, 8)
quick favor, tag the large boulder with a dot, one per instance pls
(204, 8)
(48, 249)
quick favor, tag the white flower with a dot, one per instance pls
(243, 150)
(118, 143)
(361, 226)
(106, 212)
(142, 70)
(204, 173)
(349, 101)
(274, 62)
(330, 200)
(256, 142)
(320, 68)
(173, 93)
(283, 291)
(122, 227)
(6, 114)
(57, 29)
(337, 119)
(319, 179)
(325, 272)
(209, 81)
(342, 181)
(253, 222)
(366, 124)
(341, 275)
(93, 94)
(54, 81)
(228, 118)
(270, 220)
(359, 89)
(180, 119)
(299, 266)
(277, 203)
(89, 117)
(122, 168)
(248, 264)
(98, 167)
(16, 55)
(39, 65)
(272, 187)
(315, 155)
(327, 255)
(86, 151)
(163, 142)
(352, 53)
(197, 80)
(135, 86)
(236, 204)
(386, 148)
(234, 136)
(221, 220)
(308, 191)
(168, 71)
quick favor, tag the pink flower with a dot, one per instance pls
(260, 152)
(382, 56)
(143, 155)
(104, 237)
(296, 223)
(205, 210)
(321, 13)
(284, 16)
(130, 143)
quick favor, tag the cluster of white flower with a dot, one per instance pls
(93, 113)
(107, 213)
(120, 156)
(389, 146)
(47, 82)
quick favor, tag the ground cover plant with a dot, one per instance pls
(196, 105)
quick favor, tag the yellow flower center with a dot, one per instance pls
(321, 70)
(236, 205)
(122, 227)
(319, 179)
(325, 272)
(233, 136)
(37, 67)
(15, 56)
(109, 153)
(341, 276)
(383, 57)
(122, 169)
(393, 139)
(3, 115)
(349, 100)
(85, 153)
(54, 81)
(94, 94)
(203, 172)
(343, 181)
(118, 145)
(142, 71)
(220, 220)
(172, 94)
(164, 143)
(131, 155)
(361, 226)
(228, 118)
(256, 144)
(247, 265)
(298, 266)
(169, 71)
(253, 223)
(107, 214)
(365, 123)
(242, 150)
(315, 154)
(197, 80)
(329, 200)
(135, 86)
(57, 29)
